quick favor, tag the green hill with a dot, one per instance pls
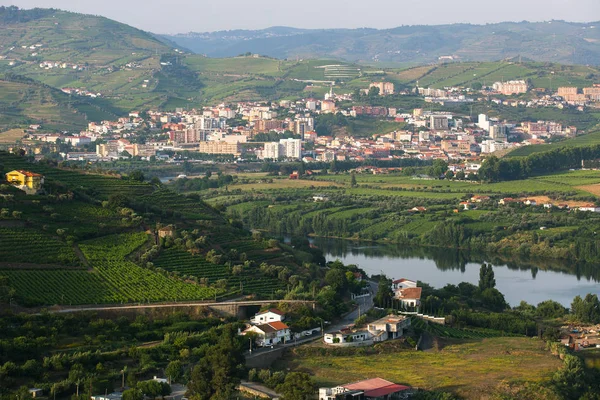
(62, 49)
(24, 101)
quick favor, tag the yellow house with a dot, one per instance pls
(27, 181)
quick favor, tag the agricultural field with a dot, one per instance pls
(11, 136)
(22, 245)
(592, 138)
(471, 368)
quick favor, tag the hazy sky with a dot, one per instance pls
(177, 16)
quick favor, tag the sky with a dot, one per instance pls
(181, 16)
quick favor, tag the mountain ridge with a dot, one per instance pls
(556, 40)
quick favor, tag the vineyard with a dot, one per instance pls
(26, 245)
(249, 281)
(188, 207)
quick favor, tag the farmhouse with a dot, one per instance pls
(166, 231)
(270, 333)
(375, 388)
(590, 208)
(507, 200)
(479, 199)
(409, 297)
(29, 182)
(270, 315)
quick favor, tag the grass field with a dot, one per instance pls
(471, 369)
(11, 135)
(591, 138)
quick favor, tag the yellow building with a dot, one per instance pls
(29, 182)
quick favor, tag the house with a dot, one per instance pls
(166, 231)
(390, 327)
(418, 209)
(29, 182)
(563, 206)
(270, 333)
(548, 205)
(403, 283)
(270, 315)
(479, 199)
(345, 336)
(530, 202)
(589, 207)
(375, 388)
(507, 200)
(320, 197)
(409, 297)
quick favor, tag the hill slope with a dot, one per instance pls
(91, 53)
(556, 41)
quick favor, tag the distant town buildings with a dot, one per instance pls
(385, 88)
(511, 87)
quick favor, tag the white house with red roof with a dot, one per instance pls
(266, 316)
(270, 333)
(403, 283)
(375, 388)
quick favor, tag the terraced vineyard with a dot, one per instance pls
(189, 207)
(29, 246)
(250, 281)
(134, 283)
(51, 287)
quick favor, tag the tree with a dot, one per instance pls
(449, 175)
(137, 176)
(133, 394)
(460, 175)
(174, 371)
(336, 278)
(486, 277)
(586, 310)
(353, 181)
(569, 381)
(476, 86)
(76, 375)
(383, 297)
(550, 309)
(297, 386)
(373, 92)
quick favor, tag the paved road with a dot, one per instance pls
(364, 305)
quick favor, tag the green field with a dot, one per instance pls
(592, 138)
(471, 369)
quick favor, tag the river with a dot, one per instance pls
(517, 279)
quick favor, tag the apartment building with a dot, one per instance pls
(221, 148)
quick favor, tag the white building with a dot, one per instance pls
(291, 148)
(270, 315)
(271, 151)
(270, 333)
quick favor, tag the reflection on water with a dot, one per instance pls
(529, 280)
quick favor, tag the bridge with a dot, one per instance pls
(231, 308)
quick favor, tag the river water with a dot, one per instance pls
(532, 281)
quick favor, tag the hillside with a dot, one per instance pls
(555, 41)
(127, 66)
(24, 102)
(92, 239)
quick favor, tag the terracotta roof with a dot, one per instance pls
(393, 388)
(410, 293)
(277, 325)
(28, 173)
(369, 384)
(266, 328)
